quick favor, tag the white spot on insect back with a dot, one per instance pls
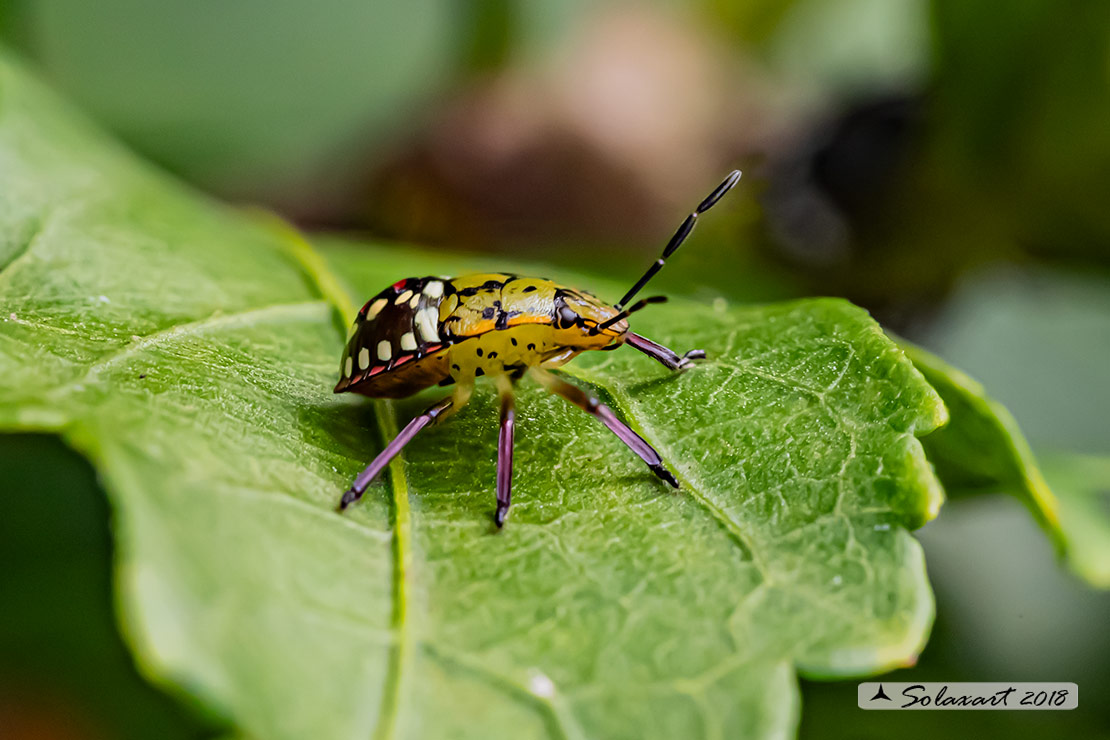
(433, 289)
(384, 351)
(363, 358)
(415, 301)
(348, 365)
(403, 298)
(427, 320)
(408, 341)
(376, 308)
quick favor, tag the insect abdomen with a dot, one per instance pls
(395, 339)
(423, 331)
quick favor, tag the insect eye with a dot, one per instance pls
(565, 318)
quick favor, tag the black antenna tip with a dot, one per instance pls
(724, 187)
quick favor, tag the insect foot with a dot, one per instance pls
(688, 358)
(349, 496)
(665, 474)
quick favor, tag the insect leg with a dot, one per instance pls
(668, 357)
(505, 449)
(436, 412)
(592, 406)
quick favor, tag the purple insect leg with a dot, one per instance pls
(592, 406)
(366, 477)
(668, 357)
(505, 451)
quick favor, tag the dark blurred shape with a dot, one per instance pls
(605, 143)
(1003, 155)
(866, 152)
(65, 673)
(826, 194)
(843, 209)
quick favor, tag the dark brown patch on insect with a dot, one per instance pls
(478, 351)
(479, 373)
(513, 340)
(492, 355)
(486, 287)
(529, 289)
(487, 312)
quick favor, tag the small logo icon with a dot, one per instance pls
(880, 694)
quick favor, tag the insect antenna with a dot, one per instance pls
(680, 236)
(630, 310)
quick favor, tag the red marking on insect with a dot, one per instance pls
(433, 348)
(400, 284)
(402, 360)
(376, 370)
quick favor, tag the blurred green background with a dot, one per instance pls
(944, 163)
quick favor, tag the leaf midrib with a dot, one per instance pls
(330, 288)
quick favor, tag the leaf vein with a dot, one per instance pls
(250, 317)
(730, 525)
(331, 289)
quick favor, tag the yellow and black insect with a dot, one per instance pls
(426, 331)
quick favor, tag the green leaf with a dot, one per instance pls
(189, 352)
(981, 449)
(1083, 485)
(1036, 337)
